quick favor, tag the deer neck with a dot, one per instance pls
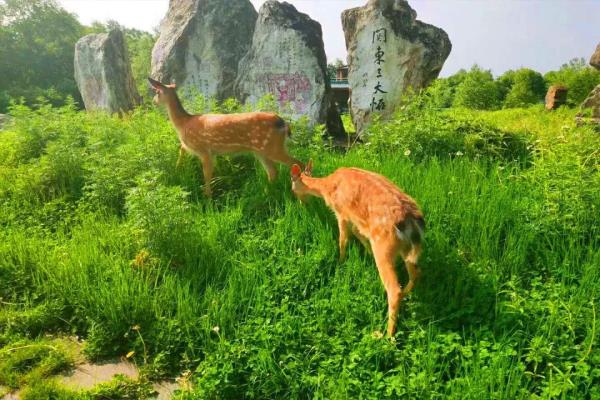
(177, 113)
(319, 187)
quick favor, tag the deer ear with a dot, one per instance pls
(155, 84)
(308, 168)
(295, 171)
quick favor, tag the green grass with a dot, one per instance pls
(104, 238)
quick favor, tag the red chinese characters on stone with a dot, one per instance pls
(288, 88)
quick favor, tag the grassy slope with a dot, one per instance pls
(102, 236)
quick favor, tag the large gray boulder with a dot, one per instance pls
(103, 73)
(389, 51)
(593, 99)
(287, 59)
(593, 102)
(595, 59)
(201, 43)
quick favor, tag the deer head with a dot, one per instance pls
(164, 93)
(298, 185)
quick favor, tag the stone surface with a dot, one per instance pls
(103, 73)
(389, 50)
(287, 59)
(86, 376)
(593, 102)
(556, 96)
(595, 59)
(201, 43)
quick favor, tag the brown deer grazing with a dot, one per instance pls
(261, 133)
(379, 214)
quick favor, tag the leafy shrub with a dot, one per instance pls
(522, 88)
(420, 132)
(159, 216)
(478, 91)
(4, 101)
(443, 90)
(579, 79)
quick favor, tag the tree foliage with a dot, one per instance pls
(333, 67)
(521, 88)
(578, 77)
(478, 91)
(37, 38)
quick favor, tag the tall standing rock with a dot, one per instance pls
(201, 43)
(103, 73)
(388, 52)
(287, 59)
(593, 102)
(595, 59)
(556, 96)
(593, 99)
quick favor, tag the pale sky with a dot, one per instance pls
(496, 34)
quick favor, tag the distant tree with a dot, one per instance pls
(477, 90)
(333, 67)
(521, 88)
(578, 77)
(443, 90)
(37, 40)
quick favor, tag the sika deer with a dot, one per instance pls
(379, 214)
(261, 133)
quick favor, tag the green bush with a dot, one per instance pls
(419, 131)
(522, 88)
(478, 91)
(579, 79)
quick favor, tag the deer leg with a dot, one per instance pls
(343, 242)
(363, 239)
(181, 155)
(410, 261)
(384, 259)
(207, 169)
(284, 158)
(269, 167)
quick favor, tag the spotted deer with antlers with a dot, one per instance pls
(261, 133)
(386, 220)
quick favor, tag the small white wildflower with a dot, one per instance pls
(216, 329)
(459, 153)
(407, 152)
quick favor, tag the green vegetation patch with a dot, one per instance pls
(103, 237)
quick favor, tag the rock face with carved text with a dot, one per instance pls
(103, 73)
(201, 43)
(287, 59)
(389, 51)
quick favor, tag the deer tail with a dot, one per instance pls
(411, 230)
(283, 126)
